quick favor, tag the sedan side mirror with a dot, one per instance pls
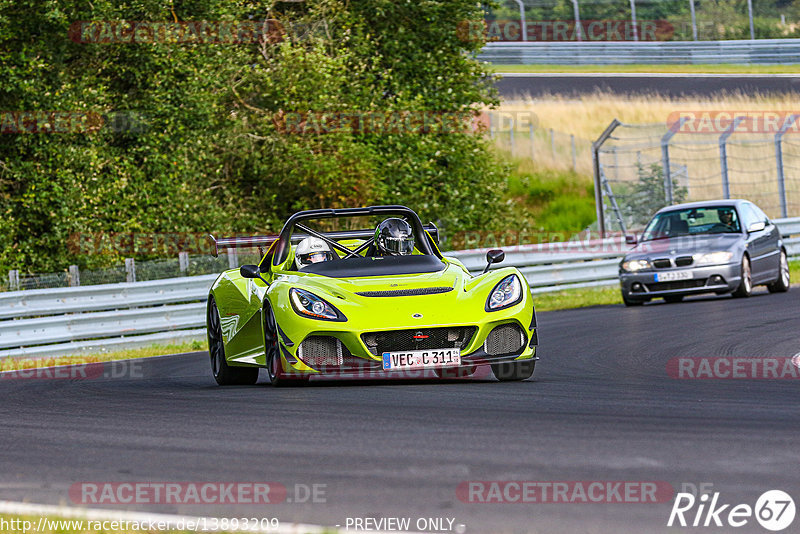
(251, 271)
(630, 239)
(757, 226)
(494, 256)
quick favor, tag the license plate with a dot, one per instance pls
(420, 359)
(671, 276)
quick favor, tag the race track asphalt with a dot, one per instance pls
(601, 407)
(518, 86)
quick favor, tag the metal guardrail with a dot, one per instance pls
(743, 52)
(91, 318)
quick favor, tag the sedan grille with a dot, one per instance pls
(662, 263)
(683, 261)
(419, 339)
(680, 284)
(504, 339)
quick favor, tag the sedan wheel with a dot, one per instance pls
(781, 285)
(746, 285)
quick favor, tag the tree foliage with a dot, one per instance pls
(207, 151)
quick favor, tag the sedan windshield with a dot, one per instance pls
(712, 220)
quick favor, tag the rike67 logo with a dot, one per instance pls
(774, 510)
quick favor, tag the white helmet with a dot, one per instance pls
(312, 250)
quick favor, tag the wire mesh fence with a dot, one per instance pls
(517, 133)
(643, 167)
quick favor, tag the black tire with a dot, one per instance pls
(513, 371)
(672, 299)
(781, 285)
(746, 285)
(224, 374)
(631, 302)
(454, 372)
(275, 373)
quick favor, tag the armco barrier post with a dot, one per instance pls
(74, 276)
(130, 270)
(13, 280)
(183, 262)
(533, 149)
(574, 155)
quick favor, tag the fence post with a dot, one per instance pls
(13, 280)
(633, 20)
(750, 16)
(233, 259)
(130, 270)
(694, 20)
(74, 276)
(779, 162)
(723, 156)
(598, 191)
(533, 148)
(511, 135)
(574, 155)
(522, 22)
(577, 13)
(183, 262)
(552, 144)
(665, 167)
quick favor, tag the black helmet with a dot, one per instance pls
(394, 237)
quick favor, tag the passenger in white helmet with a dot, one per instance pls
(312, 250)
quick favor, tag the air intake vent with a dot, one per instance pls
(406, 292)
(683, 261)
(504, 339)
(419, 339)
(322, 351)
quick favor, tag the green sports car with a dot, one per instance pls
(330, 299)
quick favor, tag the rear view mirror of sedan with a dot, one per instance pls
(757, 226)
(630, 239)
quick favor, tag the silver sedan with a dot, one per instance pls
(721, 246)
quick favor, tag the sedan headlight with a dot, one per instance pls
(635, 265)
(307, 304)
(713, 258)
(507, 293)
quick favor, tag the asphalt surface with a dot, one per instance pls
(601, 407)
(518, 86)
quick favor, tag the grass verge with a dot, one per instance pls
(688, 69)
(27, 362)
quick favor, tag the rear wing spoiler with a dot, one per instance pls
(262, 241)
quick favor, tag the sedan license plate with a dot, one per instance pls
(671, 276)
(420, 359)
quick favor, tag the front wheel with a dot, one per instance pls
(277, 376)
(224, 374)
(781, 285)
(631, 302)
(511, 371)
(746, 285)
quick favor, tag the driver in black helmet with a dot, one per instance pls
(394, 237)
